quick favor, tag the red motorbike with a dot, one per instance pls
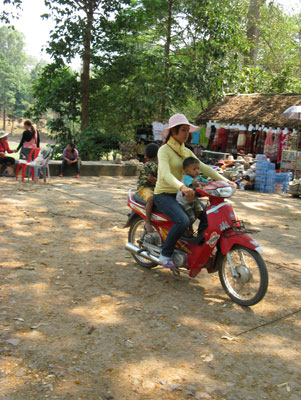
(221, 244)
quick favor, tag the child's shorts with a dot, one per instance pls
(193, 210)
(145, 192)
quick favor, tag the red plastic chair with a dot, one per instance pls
(32, 156)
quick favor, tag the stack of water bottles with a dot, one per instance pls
(283, 178)
(265, 175)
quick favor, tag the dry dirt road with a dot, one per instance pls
(80, 320)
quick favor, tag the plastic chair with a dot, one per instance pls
(42, 168)
(26, 163)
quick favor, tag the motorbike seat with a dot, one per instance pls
(141, 201)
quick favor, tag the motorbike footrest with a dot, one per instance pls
(141, 250)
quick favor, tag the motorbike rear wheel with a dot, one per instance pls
(252, 283)
(135, 236)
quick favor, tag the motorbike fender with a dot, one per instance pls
(132, 215)
(229, 239)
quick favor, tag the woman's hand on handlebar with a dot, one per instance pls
(188, 193)
(233, 184)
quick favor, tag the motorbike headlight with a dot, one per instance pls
(222, 192)
(226, 191)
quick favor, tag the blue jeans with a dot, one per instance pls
(168, 205)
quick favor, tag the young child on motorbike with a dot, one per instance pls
(191, 179)
(147, 180)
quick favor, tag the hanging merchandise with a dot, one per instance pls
(246, 140)
(231, 146)
(215, 141)
(196, 137)
(222, 139)
(268, 144)
(241, 139)
(212, 135)
(157, 130)
(282, 144)
(275, 148)
(203, 138)
(249, 135)
(208, 129)
(259, 141)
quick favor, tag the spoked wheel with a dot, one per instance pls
(136, 236)
(250, 284)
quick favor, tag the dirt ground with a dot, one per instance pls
(80, 320)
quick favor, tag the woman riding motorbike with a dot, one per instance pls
(170, 174)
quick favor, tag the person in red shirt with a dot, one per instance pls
(6, 163)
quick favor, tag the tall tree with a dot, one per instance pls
(79, 31)
(167, 55)
(278, 61)
(12, 70)
(161, 54)
(253, 26)
(61, 97)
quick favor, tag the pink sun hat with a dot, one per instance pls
(178, 119)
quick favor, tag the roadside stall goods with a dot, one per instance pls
(257, 174)
(236, 139)
(295, 187)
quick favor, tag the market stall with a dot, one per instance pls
(253, 126)
(291, 158)
(249, 124)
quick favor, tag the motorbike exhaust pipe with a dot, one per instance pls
(145, 254)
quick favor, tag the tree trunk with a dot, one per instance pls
(85, 76)
(12, 125)
(299, 68)
(167, 59)
(253, 30)
(4, 118)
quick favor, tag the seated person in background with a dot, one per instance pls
(70, 156)
(6, 163)
(191, 179)
(147, 180)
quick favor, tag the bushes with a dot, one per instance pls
(93, 144)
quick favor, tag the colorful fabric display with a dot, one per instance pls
(203, 138)
(241, 140)
(268, 145)
(275, 148)
(260, 140)
(196, 137)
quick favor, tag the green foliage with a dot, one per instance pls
(206, 42)
(57, 89)
(14, 77)
(151, 58)
(5, 14)
(278, 61)
(92, 143)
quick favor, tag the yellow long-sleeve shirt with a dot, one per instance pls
(170, 168)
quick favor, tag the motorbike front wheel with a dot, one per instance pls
(251, 283)
(136, 236)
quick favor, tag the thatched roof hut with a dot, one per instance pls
(262, 109)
